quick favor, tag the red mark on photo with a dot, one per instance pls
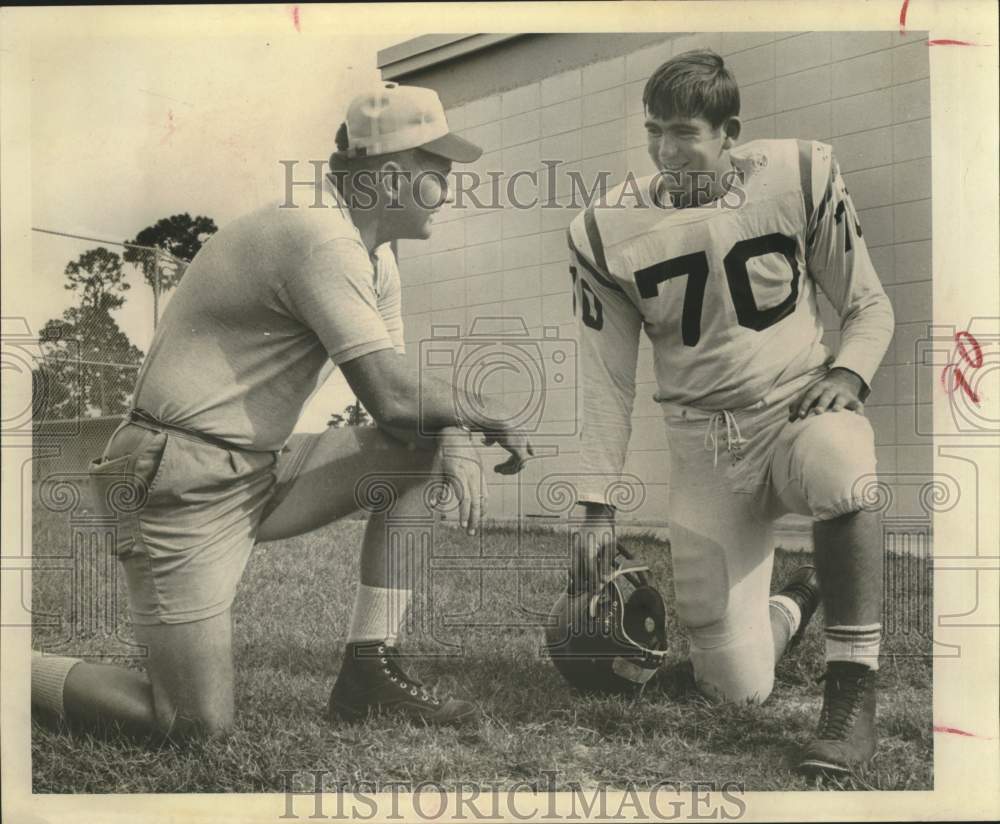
(295, 18)
(973, 359)
(939, 42)
(953, 731)
(976, 360)
(963, 733)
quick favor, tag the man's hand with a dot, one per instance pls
(516, 443)
(837, 389)
(593, 543)
(464, 474)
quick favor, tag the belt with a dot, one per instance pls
(140, 417)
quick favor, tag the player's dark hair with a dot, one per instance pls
(693, 84)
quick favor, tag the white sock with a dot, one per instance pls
(859, 645)
(788, 610)
(378, 614)
(48, 677)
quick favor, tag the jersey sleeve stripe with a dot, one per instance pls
(824, 202)
(602, 279)
(821, 210)
(594, 236)
(805, 176)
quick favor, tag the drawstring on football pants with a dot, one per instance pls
(734, 440)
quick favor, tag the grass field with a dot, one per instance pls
(290, 618)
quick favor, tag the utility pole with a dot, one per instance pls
(156, 289)
(180, 262)
(104, 394)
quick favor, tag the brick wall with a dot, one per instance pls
(865, 93)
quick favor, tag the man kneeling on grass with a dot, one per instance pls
(719, 261)
(267, 309)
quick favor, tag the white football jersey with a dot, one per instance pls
(726, 292)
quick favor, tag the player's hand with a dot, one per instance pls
(838, 389)
(516, 443)
(593, 547)
(464, 474)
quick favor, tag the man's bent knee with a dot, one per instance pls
(735, 687)
(740, 671)
(193, 724)
(190, 668)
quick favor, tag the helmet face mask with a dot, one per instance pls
(611, 639)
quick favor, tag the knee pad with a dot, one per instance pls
(732, 648)
(722, 574)
(701, 578)
(739, 670)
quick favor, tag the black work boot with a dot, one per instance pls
(372, 682)
(803, 588)
(845, 738)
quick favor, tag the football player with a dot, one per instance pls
(719, 259)
(267, 309)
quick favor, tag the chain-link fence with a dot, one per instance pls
(91, 344)
(91, 347)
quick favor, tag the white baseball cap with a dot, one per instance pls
(392, 118)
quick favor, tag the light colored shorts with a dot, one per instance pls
(187, 513)
(815, 466)
(732, 474)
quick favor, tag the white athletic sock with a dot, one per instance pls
(788, 610)
(859, 645)
(378, 614)
(48, 676)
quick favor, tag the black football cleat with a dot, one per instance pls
(372, 683)
(845, 738)
(803, 588)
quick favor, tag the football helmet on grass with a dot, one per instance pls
(610, 638)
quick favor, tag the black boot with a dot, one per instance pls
(845, 738)
(371, 682)
(803, 588)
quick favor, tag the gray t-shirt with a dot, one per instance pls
(266, 308)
